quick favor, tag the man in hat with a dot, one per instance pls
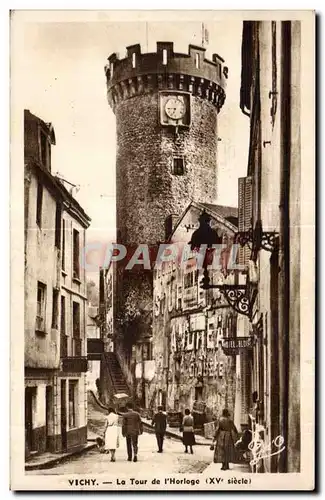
(159, 422)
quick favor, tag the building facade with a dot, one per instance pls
(166, 106)
(270, 96)
(55, 413)
(190, 324)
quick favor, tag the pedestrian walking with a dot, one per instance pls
(188, 431)
(159, 422)
(225, 438)
(111, 433)
(131, 429)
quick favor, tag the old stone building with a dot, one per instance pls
(55, 302)
(166, 106)
(270, 204)
(190, 324)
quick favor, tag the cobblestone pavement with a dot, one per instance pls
(172, 460)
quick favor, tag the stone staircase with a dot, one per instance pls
(117, 378)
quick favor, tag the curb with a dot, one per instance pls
(59, 460)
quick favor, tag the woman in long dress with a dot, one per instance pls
(111, 433)
(188, 431)
(225, 438)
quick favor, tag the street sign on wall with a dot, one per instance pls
(233, 345)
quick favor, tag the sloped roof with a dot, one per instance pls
(227, 215)
(226, 212)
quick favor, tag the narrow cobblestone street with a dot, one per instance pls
(172, 460)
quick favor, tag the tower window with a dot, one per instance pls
(197, 60)
(178, 166)
(133, 60)
(111, 69)
(164, 57)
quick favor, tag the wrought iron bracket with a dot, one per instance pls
(258, 239)
(241, 298)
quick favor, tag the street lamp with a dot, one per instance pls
(204, 235)
(240, 297)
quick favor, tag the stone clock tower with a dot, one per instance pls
(166, 106)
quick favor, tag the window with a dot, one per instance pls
(39, 203)
(55, 309)
(76, 319)
(73, 394)
(197, 60)
(45, 150)
(178, 166)
(76, 340)
(41, 307)
(134, 60)
(63, 246)
(43, 140)
(164, 57)
(63, 337)
(63, 315)
(58, 215)
(76, 268)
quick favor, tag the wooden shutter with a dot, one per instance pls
(245, 211)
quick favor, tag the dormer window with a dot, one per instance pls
(164, 52)
(197, 60)
(134, 60)
(45, 150)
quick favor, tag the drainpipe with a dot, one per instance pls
(284, 256)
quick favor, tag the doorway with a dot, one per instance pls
(64, 414)
(198, 394)
(48, 415)
(30, 400)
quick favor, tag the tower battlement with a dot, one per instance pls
(166, 70)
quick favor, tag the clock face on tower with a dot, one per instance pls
(175, 108)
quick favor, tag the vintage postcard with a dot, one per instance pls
(163, 249)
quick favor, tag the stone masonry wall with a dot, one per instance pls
(147, 190)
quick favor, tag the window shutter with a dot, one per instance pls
(245, 211)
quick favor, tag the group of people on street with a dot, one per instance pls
(223, 444)
(131, 429)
